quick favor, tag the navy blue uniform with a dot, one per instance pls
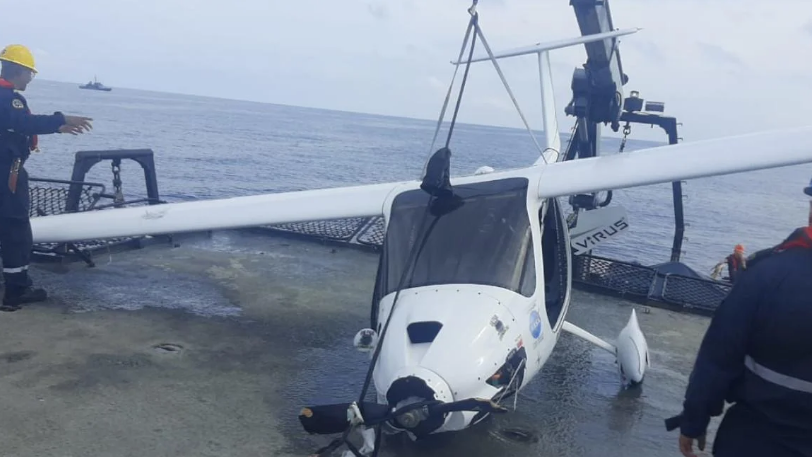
(18, 136)
(757, 354)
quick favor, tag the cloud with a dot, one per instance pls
(435, 83)
(715, 54)
(646, 48)
(380, 56)
(378, 11)
(808, 28)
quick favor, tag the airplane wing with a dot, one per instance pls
(678, 162)
(237, 212)
(638, 168)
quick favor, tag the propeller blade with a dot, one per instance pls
(332, 419)
(471, 404)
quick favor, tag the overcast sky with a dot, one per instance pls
(723, 67)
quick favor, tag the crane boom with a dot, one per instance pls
(598, 86)
(597, 98)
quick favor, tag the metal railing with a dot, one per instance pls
(53, 196)
(50, 196)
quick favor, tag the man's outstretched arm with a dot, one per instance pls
(14, 116)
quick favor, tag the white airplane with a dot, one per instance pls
(474, 282)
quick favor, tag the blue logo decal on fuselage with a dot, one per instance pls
(535, 324)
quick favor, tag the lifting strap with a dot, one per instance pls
(473, 25)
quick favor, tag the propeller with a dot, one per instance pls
(336, 418)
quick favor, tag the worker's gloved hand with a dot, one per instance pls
(76, 124)
(686, 445)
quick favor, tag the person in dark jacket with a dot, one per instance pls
(18, 138)
(736, 263)
(757, 355)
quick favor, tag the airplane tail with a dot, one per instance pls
(596, 226)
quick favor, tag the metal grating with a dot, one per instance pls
(621, 277)
(625, 278)
(683, 290)
(50, 196)
(335, 229)
(374, 233)
(89, 245)
(363, 231)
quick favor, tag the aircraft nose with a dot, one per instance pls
(414, 385)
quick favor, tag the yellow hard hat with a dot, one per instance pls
(19, 54)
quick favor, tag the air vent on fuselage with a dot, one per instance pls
(423, 332)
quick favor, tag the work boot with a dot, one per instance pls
(14, 300)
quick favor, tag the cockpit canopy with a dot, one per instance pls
(486, 240)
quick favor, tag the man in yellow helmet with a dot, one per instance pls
(18, 138)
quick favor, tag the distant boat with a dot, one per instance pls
(95, 85)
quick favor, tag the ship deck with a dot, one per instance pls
(211, 347)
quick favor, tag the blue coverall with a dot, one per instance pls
(18, 136)
(757, 354)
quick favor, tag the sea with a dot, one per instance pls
(207, 148)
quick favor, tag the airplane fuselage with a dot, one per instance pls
(482, 289)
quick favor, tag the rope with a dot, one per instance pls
(415, 249)
(418, 247)
(512, 378)
(451, 86)
(474, 22)
(413, 254)
(510, 92)
(573, 131)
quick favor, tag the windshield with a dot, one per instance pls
(485, 241)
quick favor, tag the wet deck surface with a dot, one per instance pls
(256, 327)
